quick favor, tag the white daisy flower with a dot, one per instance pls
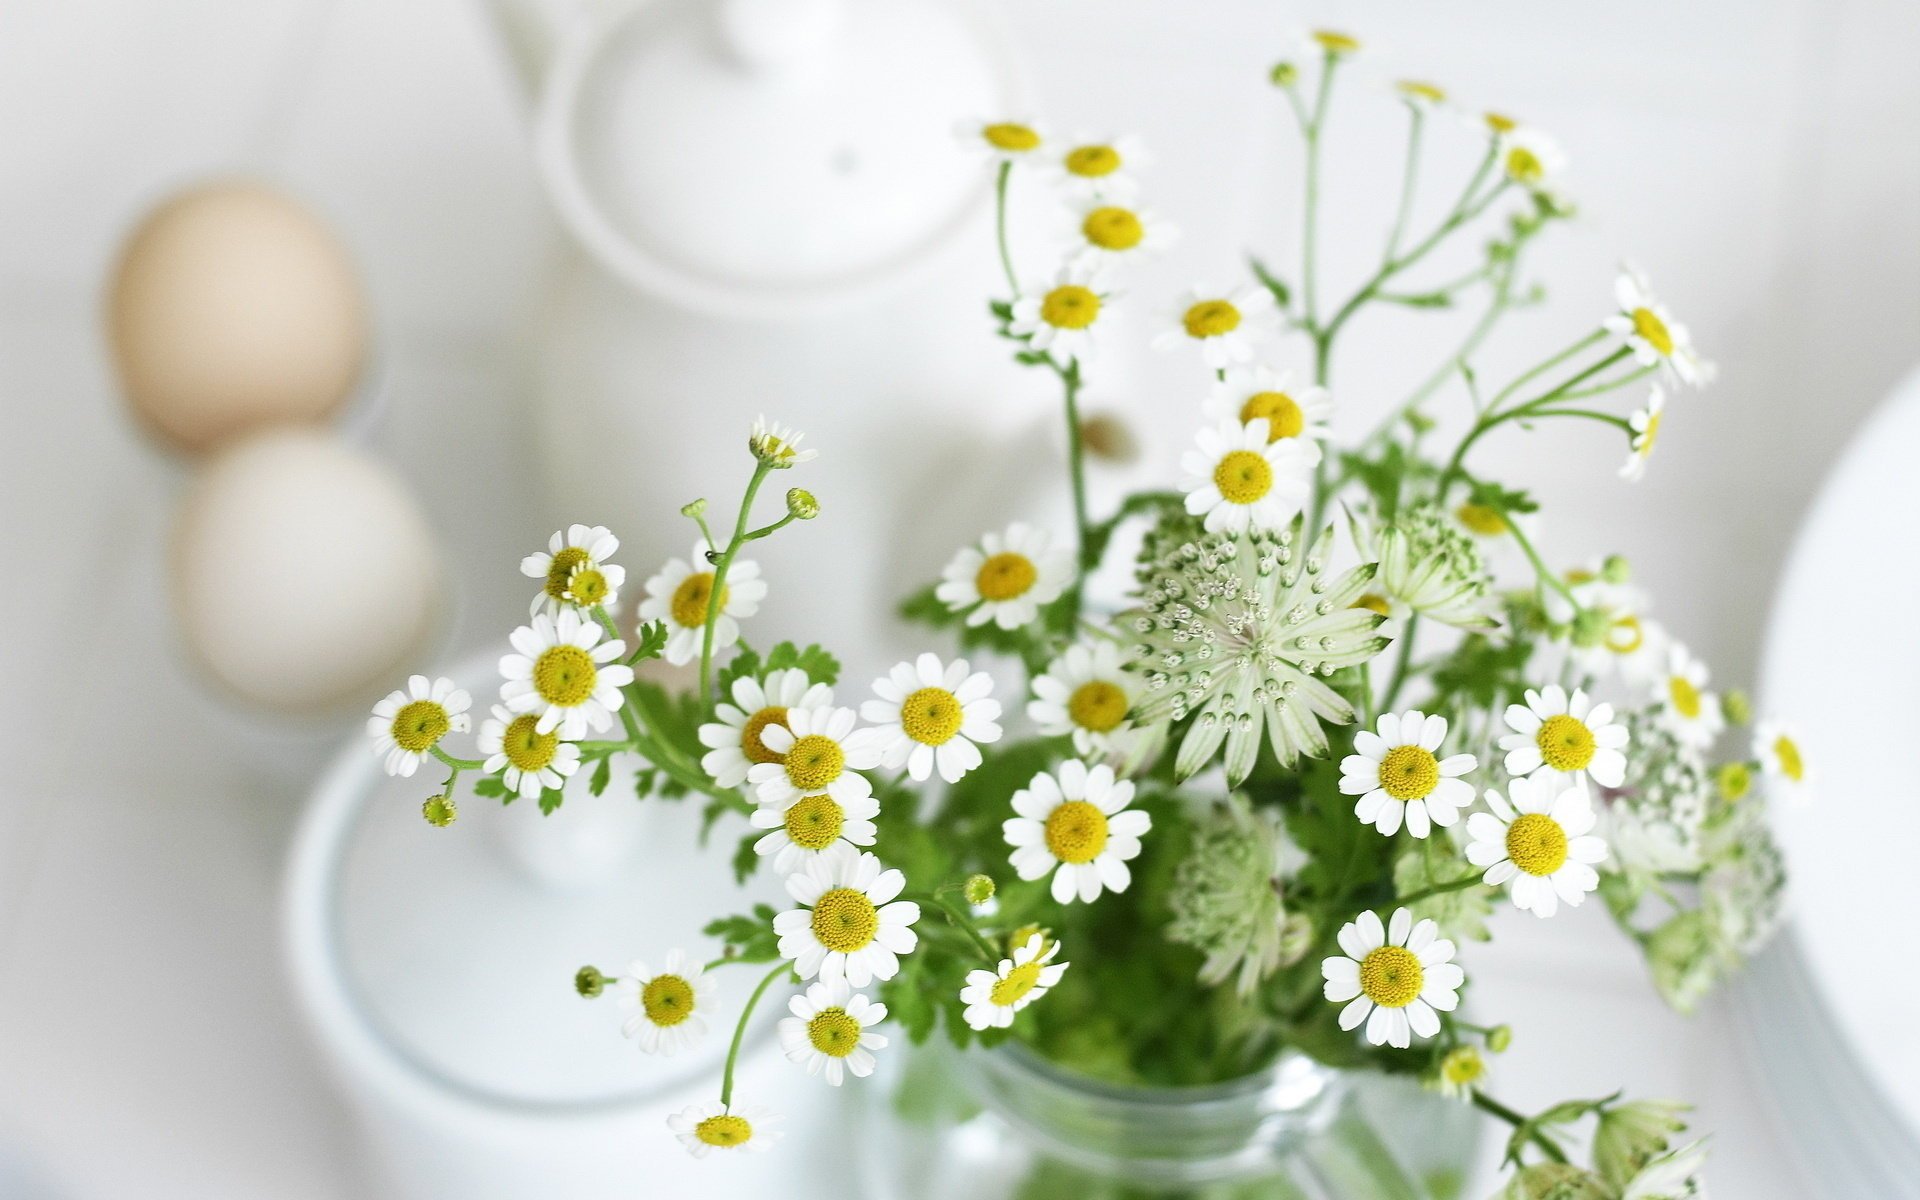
(828, 1031)
(704, 1128)
(1238, 477)
(1007, 578)
(733, 742)
(408, 724)
(1393, 977)
(1570, 736)
(1778, 750)
(527, 760)
(1248, 393)
(1605, 627)
(1540, 843)
(1079, 827)
(1397, 775)
(1688, 710)
(1086, 692)
(567, 551)
(850, 927)
(1107, 231)
(592, 586)
(777, 445)
(668, 1005)
(1530, 158)
(992, 997)
(564, 674)
(1335, 43)
(1420, 94)
(1059, 316)
(1002, 140)
(1225, 327)
(1645, 424)
(927, 715)
(812, 825)
(1093, 166)
(680, 593)
(818, 754)
(1649, 330)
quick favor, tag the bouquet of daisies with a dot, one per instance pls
(1286, 735)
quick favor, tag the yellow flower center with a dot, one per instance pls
(1243, 476)
(1788, 752)
(1524, 165)
(1625, 635)
(1014, 988)
(587, 586)
(1482, 520)
(1007, 135)
(1097, 705)
(1565, 743)
(1420, 90)
(1076, 832)
(814, 762)
(1684, 696)
(1093, 162)
(1334, 42)
(1537, 844)
(561, 569)
(1070, 306)
(1463, 1066)
(1374, 602)
(1005, 576)
(844, 920)
(1649, 435)
(1113, 228)
(564, 675)
(931, 716)
(1285, 418)
(750, 733)
(814, 822)
(667, 999)
(526, 748)
(419, 725)
(1734, 780)
(1500, 122)
(690, 600)
(1409, 773)
(833, 1032)
(1392, 976)
(1652, 330)
(725, 1130)
(1211, 318)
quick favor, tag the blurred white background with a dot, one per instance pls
(1760, 158)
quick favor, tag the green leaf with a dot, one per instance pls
(602, 773)
(746, 860)
(820, 666)
(493, 786)
(551, 799)
(1282, 294)
(652, 639)
(750, 938)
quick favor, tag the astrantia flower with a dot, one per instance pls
(1094, 166)
(1530, 158)
(1398, 776)
(1109, 231)
(1569, 736)
(1649, 330)
(818, 754)
(1059, 316)
(408, 724)
(704, 1128)
(669, 1006)
(568, 550)
(562, 672)
(1239, 633)
(733, 741)
(1003, 140)
(1226, 898)
(1645, 424)
(1779, 754)
(929, 715)
(992, 997)
(828, 1033)
(1744, 884)
(1238, 477)
(777, 445)
(1088, 693)
(1687, 708)
(1427, 564)
(679, 595)
(1250, 393)
(811, 826)
(1225, 326)
(1654, 823)
(1539, 843)
(1393, 978)
(527, 760)
(850, 926)
(1007, 577)
(1079, 827)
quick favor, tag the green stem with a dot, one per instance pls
(1494, 416)
(1409, 179)
(1401, 664)
(1309, 274)
(1488, 1104)
(1439, 889)
(1540, 570)
(719, 586)
(1000, 225)
(1586, 413)
(1077, 470)
(959, 919)
(740, 1031)
(1547, 364)
(459, 764)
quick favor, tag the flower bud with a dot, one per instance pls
(1615, 569)
(1590, 628)
(1284, 74)
(1737, 706)
(440, 810)
(694, 508)
(1733, 781)
(1499, 1038)
(801, 505)
(589, 982)
(977, 890)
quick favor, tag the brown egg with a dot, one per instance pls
(233, 308)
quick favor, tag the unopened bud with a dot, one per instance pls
(977, 890)
(1737, 706)
(1733, 780)
(801, 505)
(694, 508)
(1284, 74)
(1590, 628)
(1615, 569)
(440, 811)
(1499, 1038)
(589, 982)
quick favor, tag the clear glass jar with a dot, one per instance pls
(1008, 1125)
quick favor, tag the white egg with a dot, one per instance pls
(305, 577)
(233, 308)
